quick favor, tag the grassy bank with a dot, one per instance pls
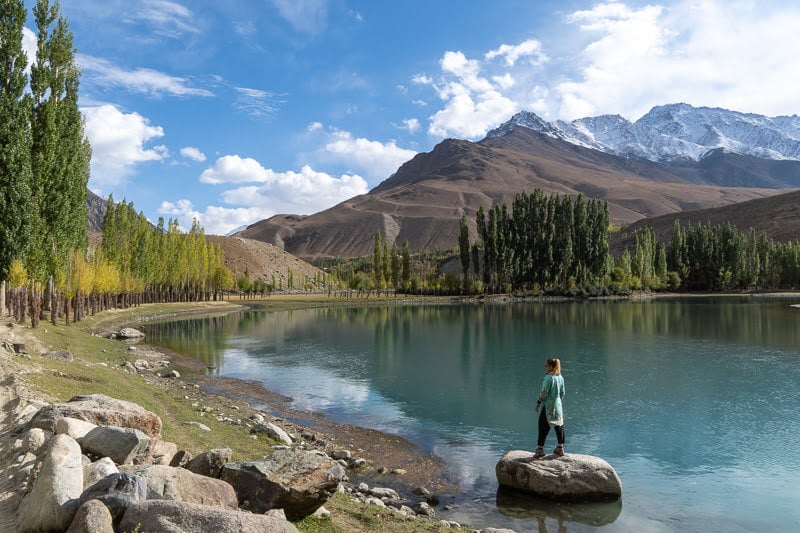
(98, 368)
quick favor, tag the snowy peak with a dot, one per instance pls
(674, 132)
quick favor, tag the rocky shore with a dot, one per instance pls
(57, 461)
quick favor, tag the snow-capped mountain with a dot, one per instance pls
(674, 132)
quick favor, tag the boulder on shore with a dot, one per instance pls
(297, 482)
(100, 410)
(573, 477)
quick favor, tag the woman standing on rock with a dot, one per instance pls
(553, 413)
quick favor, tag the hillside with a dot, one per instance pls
(262, 260)
(424, 200)
(778, 216)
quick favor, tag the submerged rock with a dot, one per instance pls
(573, 477)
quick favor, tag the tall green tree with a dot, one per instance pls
(463, 245)
(15, 141)
(60, 152)
(405, 276)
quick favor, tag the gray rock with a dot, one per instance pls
(424, 509)
(34, 440)
(172, 374)
(61, 355)
(163, 452)
(573, 477)
(273, 431)
(210, 463)
(129, 333)
(73, 427)
(342, 454)
(297, 482)
(380, 492)
(179, 484)
(92, 517)
(100, 410)
(100, 469)
(180, 458)
(122, 445)
(117, 492)
(60, 480)
(198, 425)
(178, 517)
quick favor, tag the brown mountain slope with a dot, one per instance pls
(777, 216)
(262, 260)
(424, 200)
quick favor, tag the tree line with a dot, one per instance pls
(45, 259)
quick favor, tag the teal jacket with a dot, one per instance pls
(551, 395)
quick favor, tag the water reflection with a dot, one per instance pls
(518, 505)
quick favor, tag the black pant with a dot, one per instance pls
(544, 428)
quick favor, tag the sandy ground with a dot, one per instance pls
(14, 396)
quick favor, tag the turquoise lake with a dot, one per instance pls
(694, 401)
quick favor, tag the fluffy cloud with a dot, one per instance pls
(267, 194)
(726, 54)
(118, 143)
(622, 58)
(142, 80)
(190, 152)
(375, 159)
(214, 220)
(411, 124)
(512, 53)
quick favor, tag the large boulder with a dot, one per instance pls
(60, 480)
(179, 484)
(100, 410)
(117, 491)
(297, 482)
(210, 463)
(92, 517)
(573, 477)
(178, 517)
(122, 445)
(129, 333)
(94, 472)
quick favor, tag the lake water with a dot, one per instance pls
(694, 402)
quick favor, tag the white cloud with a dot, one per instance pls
(411, 124)
(236, 169)
(512, 53)
(118, 143)
(267, 193)
(141, 80)
(190, 152)
(167, 18)
(377, 160)
(314, 126)
(727, 54)
(215, 220)
(30, 47)
(255, 102)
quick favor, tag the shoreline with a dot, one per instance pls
(388, 453)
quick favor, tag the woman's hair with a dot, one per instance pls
(555, 364)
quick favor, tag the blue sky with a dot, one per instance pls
(231, 112)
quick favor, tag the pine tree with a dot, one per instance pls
(406, 270)
(15, 142)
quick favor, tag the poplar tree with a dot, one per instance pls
(15, 141)
(463, 244)
(60, 151)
